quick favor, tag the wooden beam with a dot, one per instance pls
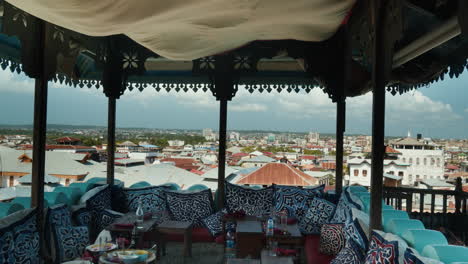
(340, 128)
(378, 116)
(222, 151)
(111, 139)
(224, 90)
(39, 133)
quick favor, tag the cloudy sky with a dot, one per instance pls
(440, 110)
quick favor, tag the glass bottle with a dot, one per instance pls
(139, 214)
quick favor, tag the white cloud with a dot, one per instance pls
(466, 110)
(248, 107)
(13, 82)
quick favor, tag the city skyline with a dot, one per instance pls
(439, 111)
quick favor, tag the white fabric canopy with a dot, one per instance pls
(190, 29)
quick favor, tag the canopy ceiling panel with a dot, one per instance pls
(191, 29)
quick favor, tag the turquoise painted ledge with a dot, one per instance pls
(448, 254)
(400, 226)
(388, 215)
(9, 208)
(420, 238)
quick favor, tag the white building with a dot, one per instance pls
(360, 170)
(234, 136)
(426, 159)
(313, 137)
(176, 143)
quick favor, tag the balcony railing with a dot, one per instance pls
(435, 208)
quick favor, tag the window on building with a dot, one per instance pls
(417, 161)
(364, 173)
(411, 160)
(400, 173)
(356, 172)
(425, 177)
(67, 182)
(438, 162)
(425, 161)
(417, 176)
(391, 172)
(432, 162)
(404, 160)
(11, 182)
(410, 178)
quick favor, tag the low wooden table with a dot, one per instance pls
(175, 227)
(147, 227)
(294, 238)
(249, 239)
(267, 259)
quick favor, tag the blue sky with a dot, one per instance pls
(441, 110)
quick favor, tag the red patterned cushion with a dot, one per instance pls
(332, 239)
(385, 248)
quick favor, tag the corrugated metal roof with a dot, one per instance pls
(278, 173)
(64, 163)
(393, 177)
(436, 183)
(261, 158)
(213, 173)
(47, 179)
(159, 174)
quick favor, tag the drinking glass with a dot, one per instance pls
(273, 247)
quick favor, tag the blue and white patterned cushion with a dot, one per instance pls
(153, 198)
(319, 213)
(58, 216)
(350, 254)
(107, 217)
(190, 206)
(214, 222)
(353, 199)
(251, 201)
(357, 228)
(70, 242)
(295, 200)
(81, 215)
(385, 248)
(98, 198)
(19, 238)
(343, 209)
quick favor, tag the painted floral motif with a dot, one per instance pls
(71, 242)
(19, 241)
(251, 201)
(382, 251)
(130, 60)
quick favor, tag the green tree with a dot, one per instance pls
(313, 152)
(248, 149)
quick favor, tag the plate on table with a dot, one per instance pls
(129, 256)
(101, 247)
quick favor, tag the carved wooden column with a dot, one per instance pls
(224, 90)
(113, 80)
(385, 17)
